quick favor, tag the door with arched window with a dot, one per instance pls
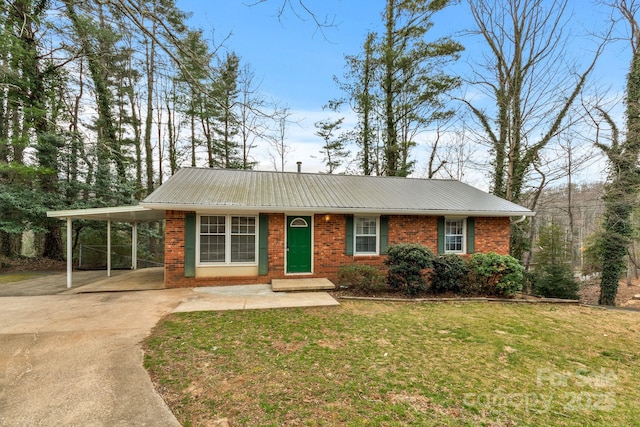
(298, 245)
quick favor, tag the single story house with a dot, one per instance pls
(235, 226)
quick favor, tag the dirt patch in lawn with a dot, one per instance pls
(590, 293)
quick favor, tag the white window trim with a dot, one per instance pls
(464, 235)
(355, 236)
(227, 241)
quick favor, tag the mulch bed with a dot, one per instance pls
(16, 265)
(447, 297)
(588, 294)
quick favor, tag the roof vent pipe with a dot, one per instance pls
(299, 166)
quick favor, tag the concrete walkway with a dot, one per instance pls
(76, 360)
(250, 297)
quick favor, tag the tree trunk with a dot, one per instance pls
(151, 71)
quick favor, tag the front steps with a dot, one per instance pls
(294, 285)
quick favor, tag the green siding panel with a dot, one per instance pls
(471, 235)
(349, 234)
(190, 245)
(441, 235)
(384, 234)
(263, 241)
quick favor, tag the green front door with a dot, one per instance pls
(298, 244)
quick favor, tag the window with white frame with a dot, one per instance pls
(454, 235)
(212, 238)
(243, 239)
(227, 239)
(366, 235)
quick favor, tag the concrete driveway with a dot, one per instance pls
(76, 360)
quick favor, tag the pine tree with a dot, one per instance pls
(225, 93)
(554, 277)
(334, 149)
(399, 83)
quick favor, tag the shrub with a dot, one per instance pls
(406, 263)
(361, 278)
(497, 274)
(448, 273)
(556, 281)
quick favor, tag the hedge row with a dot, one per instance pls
(415, 270)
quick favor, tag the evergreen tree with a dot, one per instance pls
(554, 277)
(191, 82)
(225, 93)
(29, 114)
(359, 86)
(399, 83)
(334, 149)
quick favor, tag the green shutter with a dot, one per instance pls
(384, 234)
(441, 235)
(263, 239)
(471, 235)
(190, 245)
(349, 234)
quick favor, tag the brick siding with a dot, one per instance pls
(329, 237)
(493, 235)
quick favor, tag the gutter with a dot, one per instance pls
(328, 209)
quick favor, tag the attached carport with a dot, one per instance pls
(132, 215)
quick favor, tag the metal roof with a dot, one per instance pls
(119, 214)
(230, 190)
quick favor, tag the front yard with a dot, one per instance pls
(368, 363)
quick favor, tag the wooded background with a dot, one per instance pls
(101, 100)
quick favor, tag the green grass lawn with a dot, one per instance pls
(396, 364)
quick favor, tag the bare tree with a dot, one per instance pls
(455, 155)
(530, 81)
(300, 10)
(623, 153)
(252, 115)
(278, 144)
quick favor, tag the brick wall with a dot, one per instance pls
(330, 239)
(174, 250)
(276, 246)
(174, 259)
(491, 234)
(414, 229)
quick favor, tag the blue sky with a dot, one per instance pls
(296, 62)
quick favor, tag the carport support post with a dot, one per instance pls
(108, 248)
(134, 246)
(69, 252)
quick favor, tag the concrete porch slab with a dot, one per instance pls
(250, 297)
(290, 285)
(144, 279)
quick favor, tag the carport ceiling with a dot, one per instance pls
(130, 214)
